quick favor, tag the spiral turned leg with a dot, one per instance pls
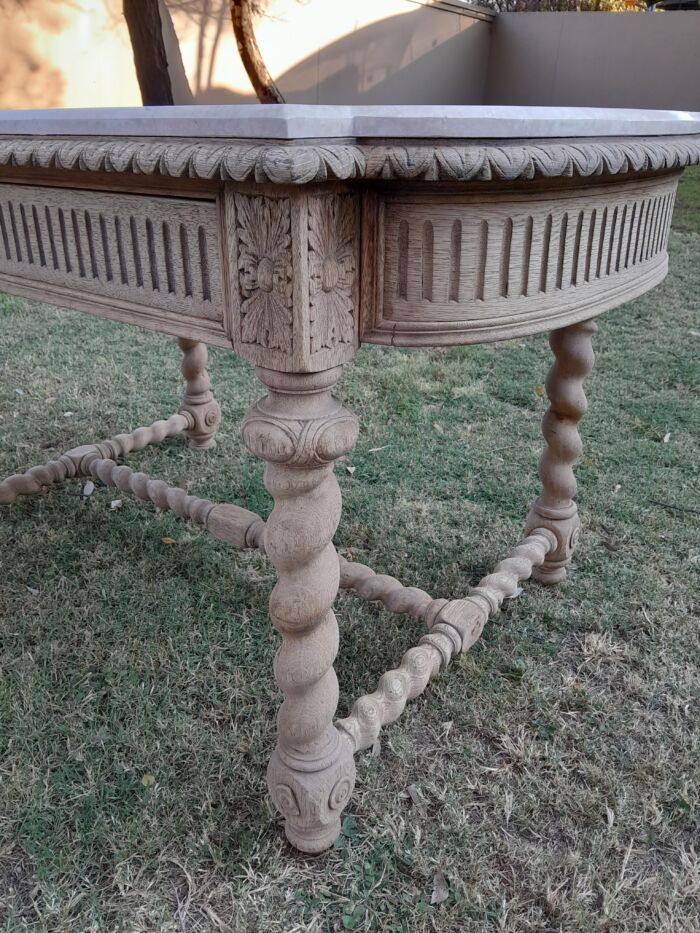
(554, 508)
(198, 399)
(299, 429)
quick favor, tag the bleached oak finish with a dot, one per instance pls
(198, 399)
(388, 591)
(165, 497)
(68, 465)
(302, 162)
(294, 263)
(555, 508)
(468, 267)
(292, 252)
(134, 258)
(456, 627)
(300, 430)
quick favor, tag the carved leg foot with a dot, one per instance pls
(299, 429)
(198, 399)
(554, 508)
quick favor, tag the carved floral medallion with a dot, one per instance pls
(265, 271)
(332, 270)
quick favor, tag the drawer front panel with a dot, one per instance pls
(465, 268)
(159, 252)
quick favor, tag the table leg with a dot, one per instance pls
(555, 507)
(198, 399)
(299, 429)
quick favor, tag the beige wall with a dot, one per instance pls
(76, 53)
(65, 53)
(596, 60)
(334, 52)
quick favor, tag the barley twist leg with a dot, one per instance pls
(198, 399)
(299, 429)
(555, 508)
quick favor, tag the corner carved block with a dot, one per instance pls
(294, 276)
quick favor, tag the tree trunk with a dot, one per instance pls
(145, 30)
(260, 77)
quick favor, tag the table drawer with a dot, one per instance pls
(141, 258)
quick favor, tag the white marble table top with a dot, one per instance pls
(304, 121)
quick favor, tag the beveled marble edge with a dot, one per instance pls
(304, 121)
(301, 163)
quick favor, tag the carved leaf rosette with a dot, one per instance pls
(332, 233)
(265, 271)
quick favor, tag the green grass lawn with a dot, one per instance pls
(555, 766)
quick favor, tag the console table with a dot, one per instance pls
(290, 235)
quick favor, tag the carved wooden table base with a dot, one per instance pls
(291, 253)
(300, 430)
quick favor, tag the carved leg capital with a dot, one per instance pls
(198, 400)
(555, 508)
(299, 429)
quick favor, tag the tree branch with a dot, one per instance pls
(261, 79)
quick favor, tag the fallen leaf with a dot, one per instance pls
(667, 437)
(33, 590)
(148, 780)
(353, 915)
(539, 390)
(438, 427)
(115, 504)
(101, 737)
(413, 794)
(440, 890)
(167, 540)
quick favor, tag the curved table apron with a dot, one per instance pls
(230, 226)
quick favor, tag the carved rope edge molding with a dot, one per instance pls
(299, 164)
